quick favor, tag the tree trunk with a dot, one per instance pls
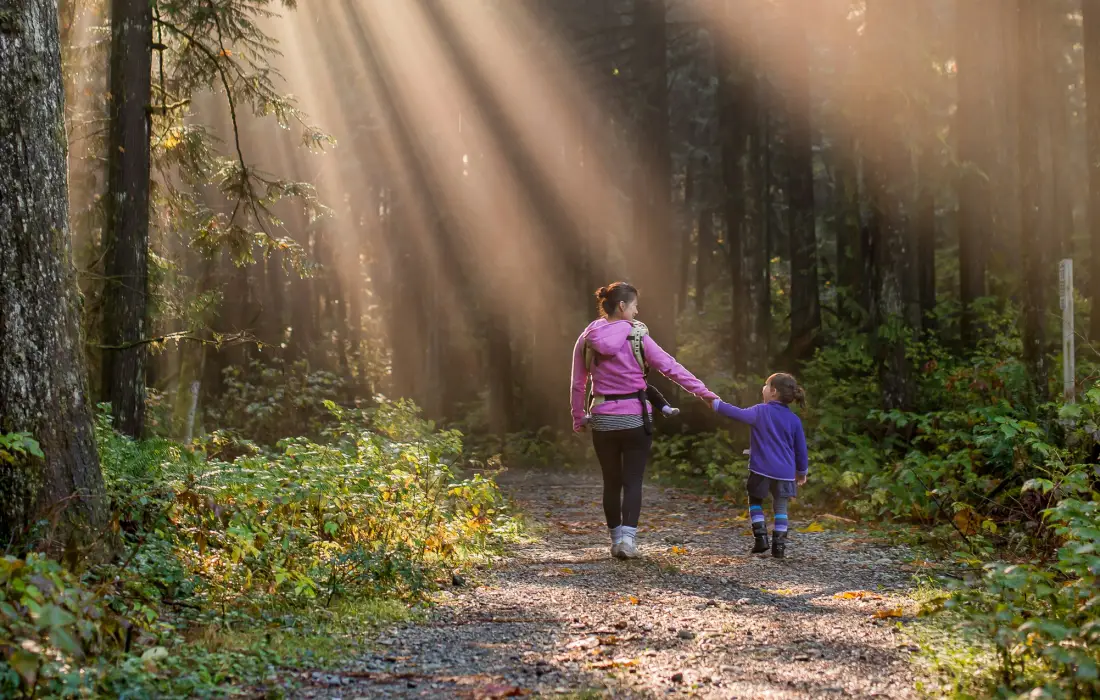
(704, 261)
(126, 235)
(43, 382)
(767, 227)
(849, 236)
(888, 163)
(1032, 249)
(502, 409)
(653, 174)
(1091, 10)
(731, 125)
(687, 228)
(924, 228)
(805, 303)
(975, 148)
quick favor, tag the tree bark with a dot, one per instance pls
(976, 156)
(805, 303)
(1033, 251)
(704, 261)
(1091, 11)
(653, 174)
(732, 136)
(126, 235)
(924, 228)
(890, 252)
(43, 382)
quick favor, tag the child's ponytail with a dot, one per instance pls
(788, 389)
(800, 396)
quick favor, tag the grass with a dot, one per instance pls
(950, 663)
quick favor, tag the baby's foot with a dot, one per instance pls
(670, 411)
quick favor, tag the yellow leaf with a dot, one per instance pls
(813, 527)
(633, 600)
(783, 591)
(857, 595)
(890, 612)
(968, 521)
(679, 550)
(225, 53)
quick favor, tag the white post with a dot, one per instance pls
(1065, 293)
(191, 412)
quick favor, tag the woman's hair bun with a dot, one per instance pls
(609, 297)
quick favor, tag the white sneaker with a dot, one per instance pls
(615, 549)
(629, 548)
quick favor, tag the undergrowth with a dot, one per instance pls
(237, 561)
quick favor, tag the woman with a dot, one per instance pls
(620, 414)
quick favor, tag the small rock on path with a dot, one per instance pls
(696, 616)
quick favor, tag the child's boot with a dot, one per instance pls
(760, 532)
(779, 544)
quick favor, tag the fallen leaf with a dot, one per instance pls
(585, 643)
(633, 600)
(614, 663)
(492, 692)
(812, 527)
(679, 550)
(890, 612)
(857, 595)
(781, 591)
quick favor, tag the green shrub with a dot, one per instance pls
(272, 400)
(1044, 618)
(215, 548)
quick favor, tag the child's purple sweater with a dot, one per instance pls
(777, 442)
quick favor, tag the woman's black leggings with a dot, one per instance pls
(623, 455)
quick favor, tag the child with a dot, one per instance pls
(656, 398)
(778, 462)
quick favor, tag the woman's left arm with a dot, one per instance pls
(667, 365)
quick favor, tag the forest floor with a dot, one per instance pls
(696, 616)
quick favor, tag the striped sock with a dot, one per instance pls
(756, 513)
(780, 522)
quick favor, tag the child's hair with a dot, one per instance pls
(608, 297)
(788, 389)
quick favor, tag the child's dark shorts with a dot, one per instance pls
(759, 486)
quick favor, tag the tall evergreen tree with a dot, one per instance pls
(1032, 246)
(43, 385)
(126, 235)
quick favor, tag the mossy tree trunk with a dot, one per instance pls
(43, 382)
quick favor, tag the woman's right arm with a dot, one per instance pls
(577, 385)
(667, 365)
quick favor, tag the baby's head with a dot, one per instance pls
(783, 388)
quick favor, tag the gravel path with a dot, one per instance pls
(697, 616)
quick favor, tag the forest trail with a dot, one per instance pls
(697, 616)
